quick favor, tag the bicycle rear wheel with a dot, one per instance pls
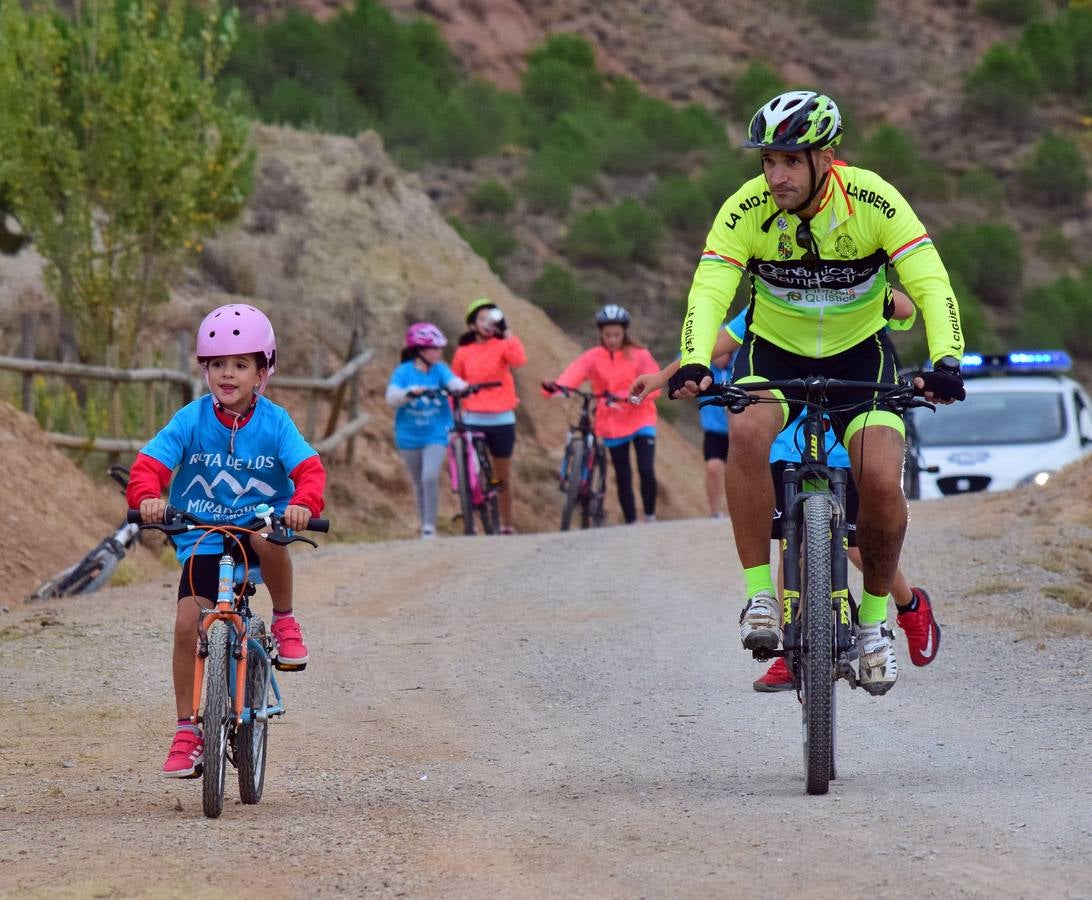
(574, 466)
(215, 719)
(252, 736)
(817, 670)
(462, 471)
(490, 506)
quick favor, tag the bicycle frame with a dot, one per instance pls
(233, 609)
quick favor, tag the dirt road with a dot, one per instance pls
(560, 716)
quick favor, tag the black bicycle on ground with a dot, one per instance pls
(817, 621)
(583, 475)
(98, 566)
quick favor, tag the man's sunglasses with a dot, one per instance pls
(806, 241)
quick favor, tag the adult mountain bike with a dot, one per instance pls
(98, 566)
(469, 464)
(817, 622)
(235, 658)
(583, 474)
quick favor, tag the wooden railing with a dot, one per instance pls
(342, 389)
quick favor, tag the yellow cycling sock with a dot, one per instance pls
(758, 578)
(873, 609)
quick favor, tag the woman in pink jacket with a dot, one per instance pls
(612, 366)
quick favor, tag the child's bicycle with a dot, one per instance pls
(470, 465)
(235, 660)
(583, 475)
(98, 566)
(819, 642)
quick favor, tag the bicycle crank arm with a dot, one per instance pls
(844, 669)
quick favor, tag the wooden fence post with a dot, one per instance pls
(28, 349)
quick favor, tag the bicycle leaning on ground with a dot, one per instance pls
(98, 566)
(817, 622)
(583, 475)
(469, 463)
(235, 659)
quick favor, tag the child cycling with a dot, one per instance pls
(421, 423)
(228, 451)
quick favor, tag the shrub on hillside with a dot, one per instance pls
(1054, 245)
(982, 185)
(492, 197)
(1011, 12)
(891, 152)
(683, 205)
(1059, 314)
(755, 86)
(561, 76)
(1056, 172)
(613, 237)
(987, 258)
(844, 16)
(492, 241)
(557, 292)
(545, 186)
(1003, 86)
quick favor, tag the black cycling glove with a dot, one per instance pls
(690, 372)
(945, 382)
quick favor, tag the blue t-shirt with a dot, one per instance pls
(788, 443)
(715, 418)
(217, 485)
(422, 420)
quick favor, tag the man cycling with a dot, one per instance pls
(816, 236)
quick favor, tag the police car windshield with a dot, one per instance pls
(1019, 417)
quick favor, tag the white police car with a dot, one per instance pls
(1017, 427)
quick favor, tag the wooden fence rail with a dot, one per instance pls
(341, 387)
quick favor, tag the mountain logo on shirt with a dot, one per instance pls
(252, 484)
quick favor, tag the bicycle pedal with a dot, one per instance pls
(286, 667)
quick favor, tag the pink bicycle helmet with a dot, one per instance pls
(235, 330)
(424, 334)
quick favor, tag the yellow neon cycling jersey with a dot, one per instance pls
(820, 308)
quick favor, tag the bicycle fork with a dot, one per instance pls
(222, 612)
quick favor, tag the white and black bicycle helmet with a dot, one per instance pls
(612, 314)
(795, 120)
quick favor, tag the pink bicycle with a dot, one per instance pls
(470, 466)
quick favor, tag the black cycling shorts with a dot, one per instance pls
(777, 471)
(871, 360)
(500, 439)
(206, 570)
(715, 446)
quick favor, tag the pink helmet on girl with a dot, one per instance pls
(236, 330)
(424, 334)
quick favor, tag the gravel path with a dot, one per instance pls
(561, 716)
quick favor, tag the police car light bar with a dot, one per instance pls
(1017, 361)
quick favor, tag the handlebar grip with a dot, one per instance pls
(322, 525)
(133, 517)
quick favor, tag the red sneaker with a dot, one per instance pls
(777, 678)
(186, 755)
(291, 650)
(922, 630)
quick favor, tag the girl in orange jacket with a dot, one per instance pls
(489, 351)
(612, 367)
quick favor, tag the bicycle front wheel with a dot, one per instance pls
(252, 736)
(215, 719)
(597, 490)
(817, 657)
(490, 505)
(574, 466)
(462, 470)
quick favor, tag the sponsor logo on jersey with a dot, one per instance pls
(845, 247)
(784, 247)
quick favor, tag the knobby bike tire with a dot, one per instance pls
(489, 511)
(597, 489)
(215, 719)
(252, 737)
(462, 471)
(575, 459)
(817, 708)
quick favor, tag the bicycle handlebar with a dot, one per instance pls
(469, 389)
(178, 521)
(737, 397)
(565, 391)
